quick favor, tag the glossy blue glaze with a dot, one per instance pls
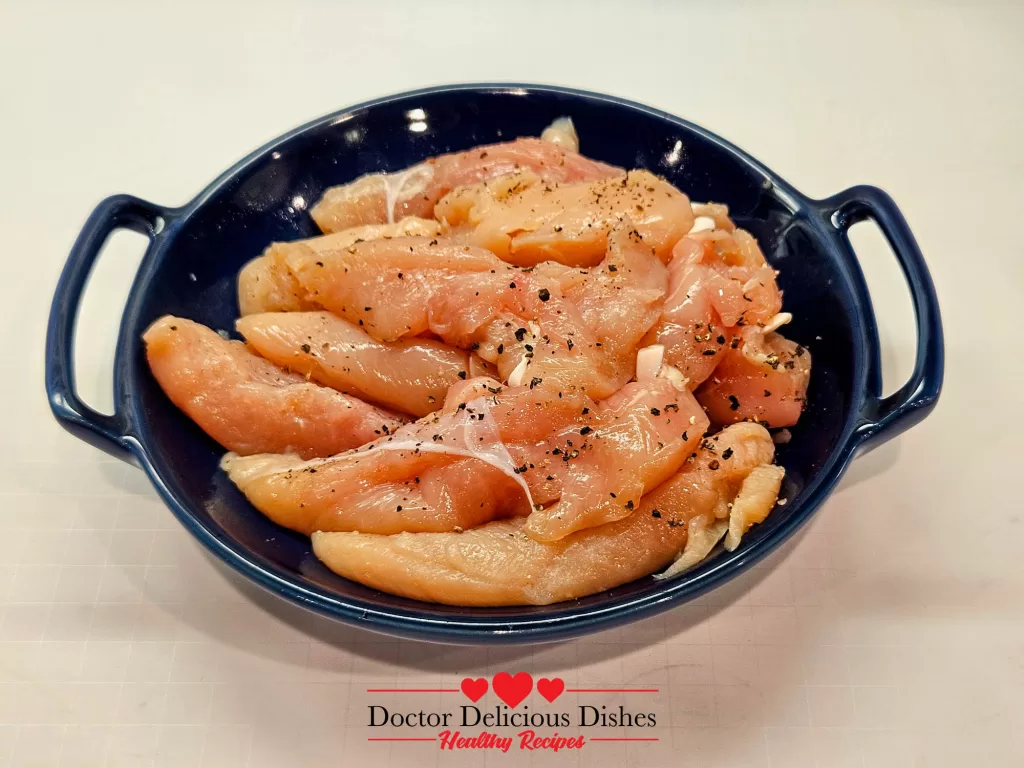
(195, 253)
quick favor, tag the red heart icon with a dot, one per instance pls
(512, 689)
(550, 689)
(474, 689)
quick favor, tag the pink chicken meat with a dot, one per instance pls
(410, 375)
(526, 221)
(593, 362)
(248, 404)
(498, 564)
(379, 198)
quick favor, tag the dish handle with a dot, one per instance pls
(883, 418)
(107, 433)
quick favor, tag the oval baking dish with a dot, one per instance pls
(195, 252)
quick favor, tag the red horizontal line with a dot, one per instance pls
(611, 690)
(412, 690)
(398, 739)
(626, 739)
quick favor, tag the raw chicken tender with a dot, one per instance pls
(526, 220)
(395, 482)
(264, 286)
(410, 375)
(415, 479)
(248, 404)
(719, 282)
(519, 320)
(641, 436)
(498, 564)
(765, 379)
(378, 197)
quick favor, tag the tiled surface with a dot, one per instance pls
(889, 634)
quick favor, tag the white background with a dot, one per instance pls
(891, 633)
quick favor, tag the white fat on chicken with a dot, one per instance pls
(563, 134)
(702, 224)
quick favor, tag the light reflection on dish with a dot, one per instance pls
(672, 157)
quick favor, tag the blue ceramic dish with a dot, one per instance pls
(195, 253)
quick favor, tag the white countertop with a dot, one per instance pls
(890, 633)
